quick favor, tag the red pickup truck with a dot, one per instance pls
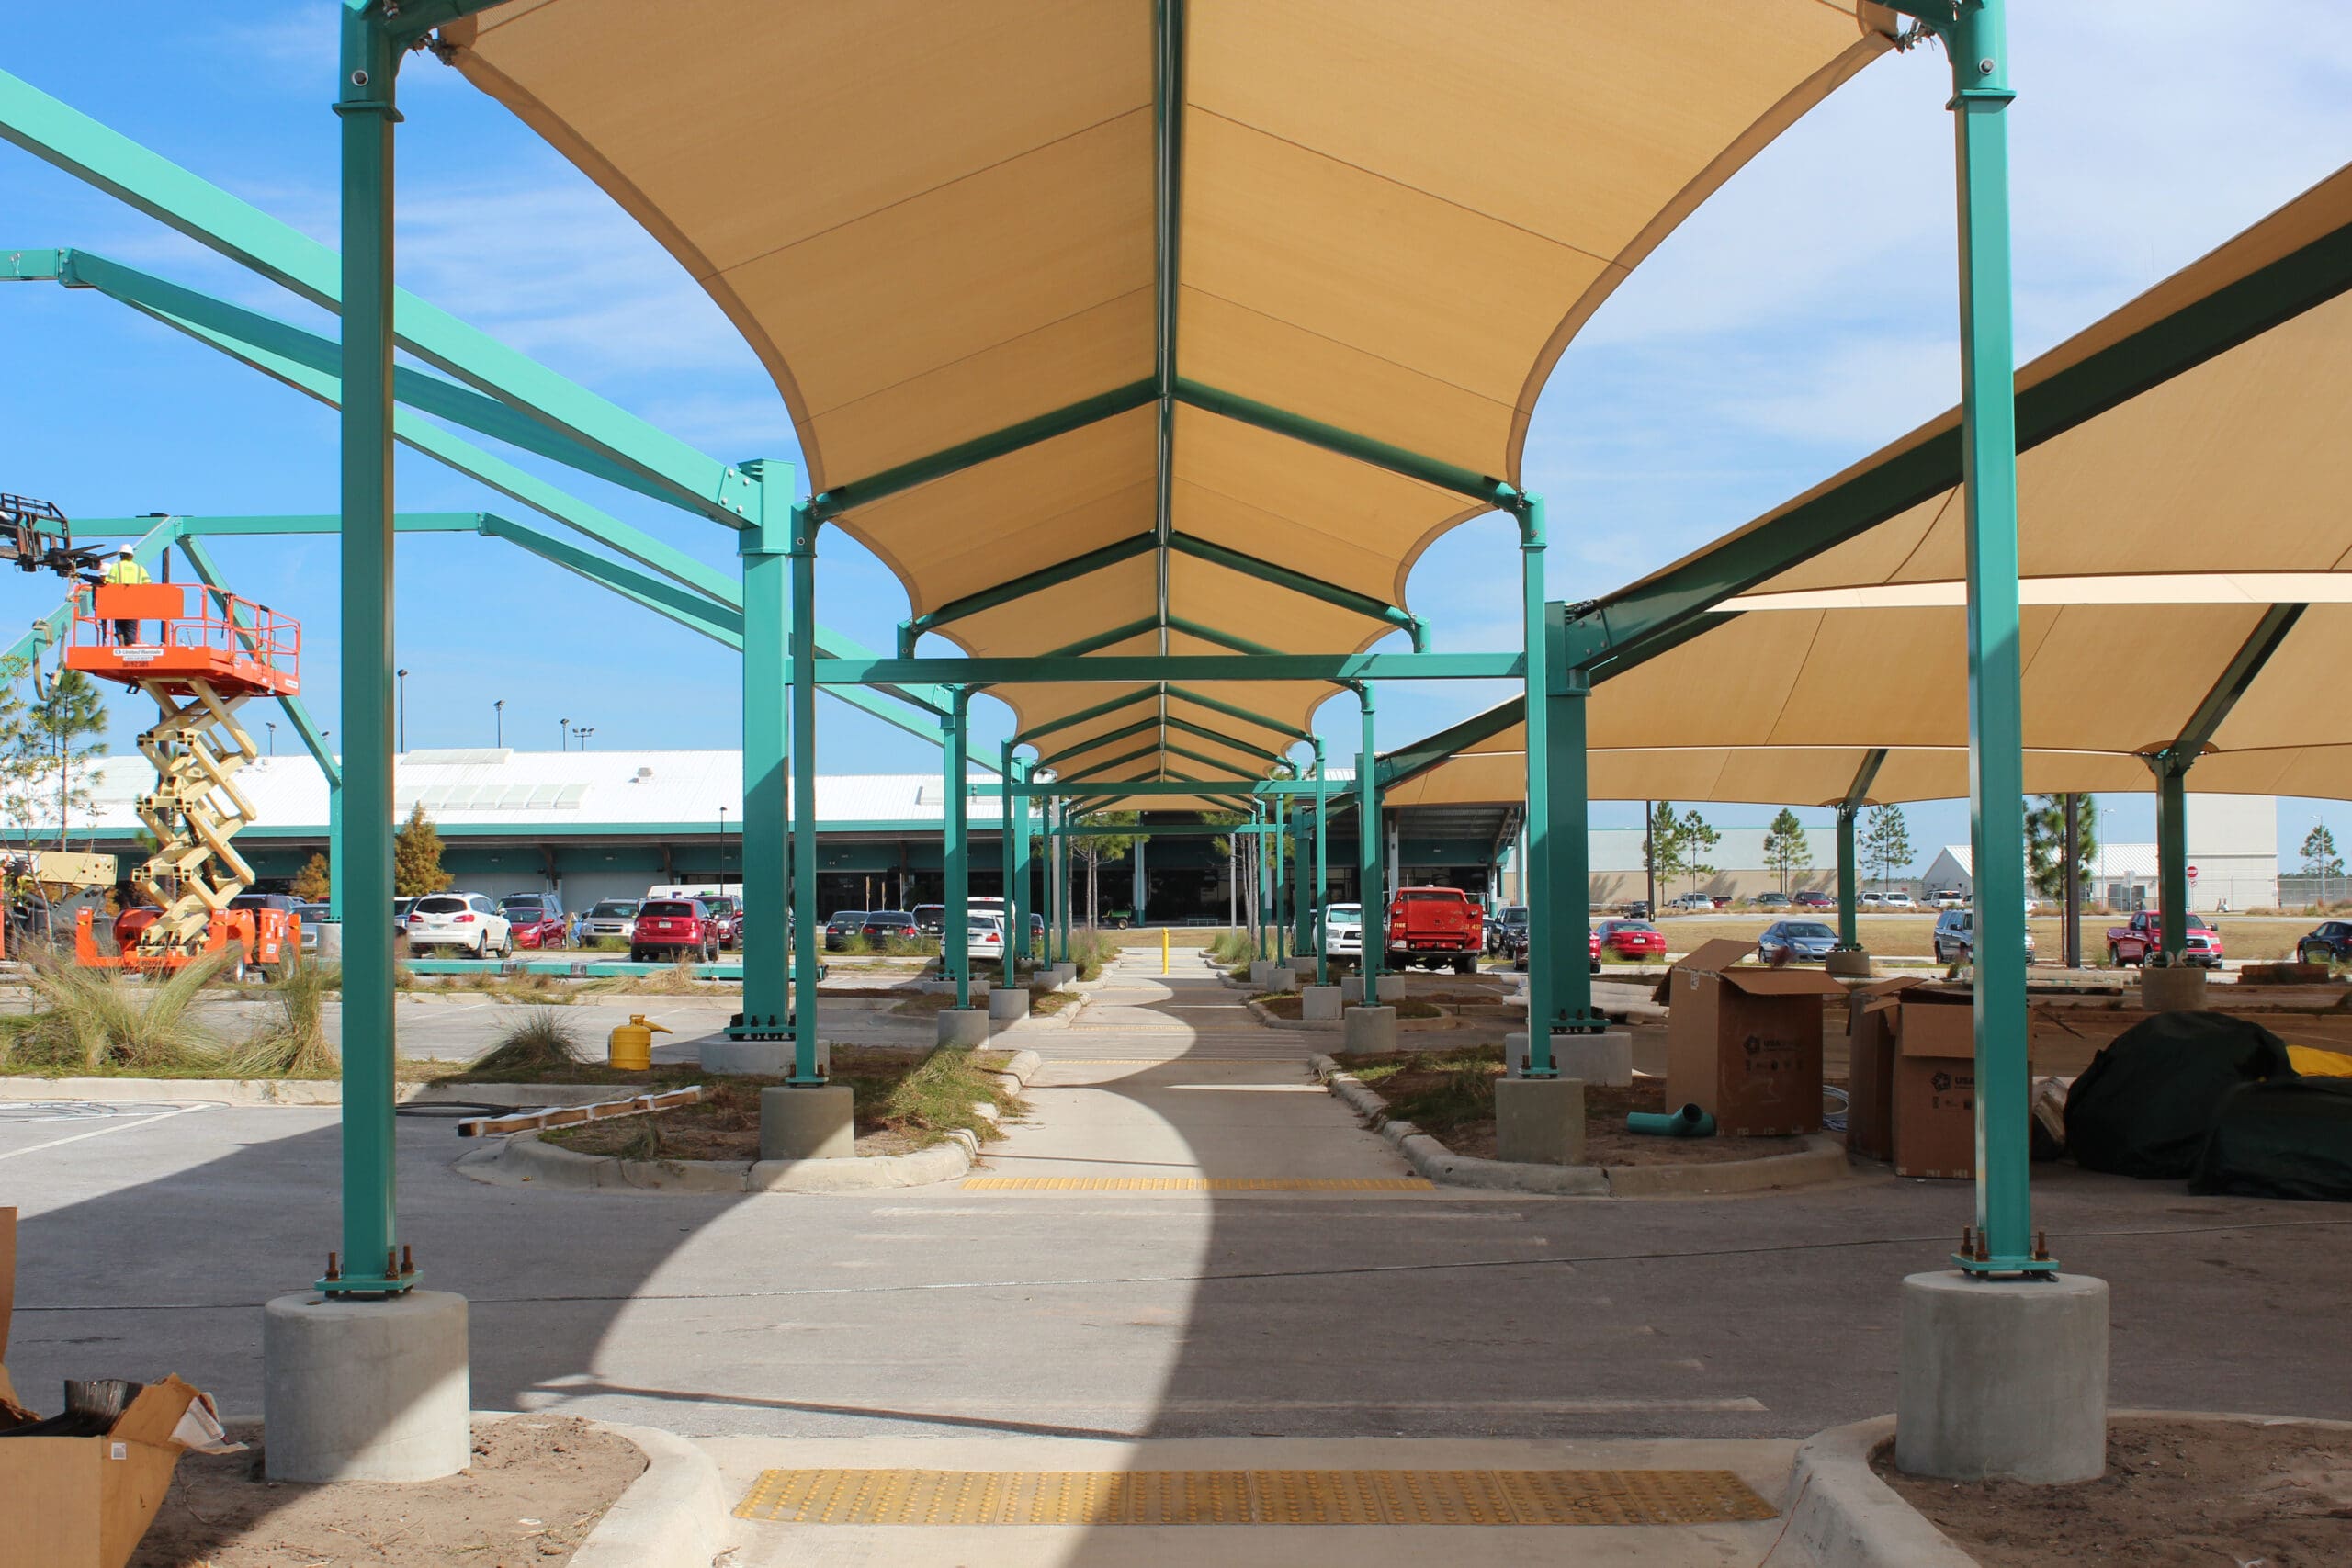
(1435, 926)
(2200, 944)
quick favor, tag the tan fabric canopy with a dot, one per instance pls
(934, 221)
(2154, 538)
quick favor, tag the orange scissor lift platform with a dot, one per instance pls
(212, 652)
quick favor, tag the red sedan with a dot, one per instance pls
(535, 918)
(1631, 939)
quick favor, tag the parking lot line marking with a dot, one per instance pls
(102, 1132)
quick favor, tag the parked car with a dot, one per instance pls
(1770, 900)
(311, 915)
(1955, 938)
(984, 936)
(1795, 941)
(609, 917)
(2329, 943)
(1596, 952)
(1813, 900)
(2200, 943)
(1507, 932)
(846, 924)
(1636, 909)
(673, 927)
(1343, 932)
(727, 910)
(1693, 901)
(887, 925)
(931, 919)
(1896, 898)
(1436, 928)
(400, 908)
(1036, 933)
(1632, 939)
(1953, 898)
(466, 922)
(536, 918)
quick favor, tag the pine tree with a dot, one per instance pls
(1093, 849)
(313, 883)
(1695, 838)
(1786, 850)
(2046, 841)
(416, 857)
(1886, 841)
(60, 726)
(1663, 847)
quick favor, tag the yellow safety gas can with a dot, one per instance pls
(630, 1049)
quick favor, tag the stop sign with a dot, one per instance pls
(2192, 874)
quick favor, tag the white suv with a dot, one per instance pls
(466, 922)
(1343, 930)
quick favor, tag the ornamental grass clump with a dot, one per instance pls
(105, 1021)
(291, 1042)
(541, 1044)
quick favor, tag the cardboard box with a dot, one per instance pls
(1744, 1042)
(1935, 1087)
(81, 1502)
(1871, 1020)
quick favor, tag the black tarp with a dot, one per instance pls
(2145, 1105)
(2287, 1138)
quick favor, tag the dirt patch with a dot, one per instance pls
(902, 1101)
(538, 1484)
(2176, 1494)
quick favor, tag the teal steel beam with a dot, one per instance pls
(1129, 670)
(1110, 638)
(765, 635)
(1557, 867)
(370, 1261)
(2236, 679)
(1412, 761)
(1221, 739)
(1168, 39)
(262, 525)
(2004, 1242)
(1221, 639)
(1174, 830)
(954, 926)
(1849, 807)
(116, 165)
(1231, 710)
(718, 622)
(1019, 587)
(1229, 770)
(313, 739)
(1037, 732)
(837, 500)
(1397, 459)
(1372, 891)
(460, 405)
(806, 1073)
(1301, 583)
(1071, 785)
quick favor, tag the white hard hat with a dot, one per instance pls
(122, 549)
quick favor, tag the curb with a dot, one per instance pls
(674, 1516)
(522, 1157)
(1845, 1516)
(1257, 1010)
(1821, 1160)
(297, 1091)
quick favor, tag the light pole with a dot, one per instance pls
(498, 723)
(562, 733)
(403, 680)
(580, 732)
(273, 735)
(722, 849)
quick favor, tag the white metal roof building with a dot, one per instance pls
(2232, 855)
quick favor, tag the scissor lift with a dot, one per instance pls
(212, 651)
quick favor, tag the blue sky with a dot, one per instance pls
(1796, 323)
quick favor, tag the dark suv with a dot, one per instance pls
(727, 910)
(887, 925)
(1506, 932)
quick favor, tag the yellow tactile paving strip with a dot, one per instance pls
(1253, 1497)
(1197, 1184)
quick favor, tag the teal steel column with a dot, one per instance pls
(1300, 906)
(767, 725)
(334, 847)
(1022, 899)
(1996, 737)
(1322, 869)
(1849, 930)
(1567, 864)
(1005, 853)
(1374, 896)
(804, 792)
(954, 927)
(1062, 879)
(1279, 820)
(1547, 924)
(370, 1258)
(2172, 851)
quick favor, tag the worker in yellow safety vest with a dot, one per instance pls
(124, 569)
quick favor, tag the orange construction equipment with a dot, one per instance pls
(211, 652)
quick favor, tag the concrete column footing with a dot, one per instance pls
(807, 1122)
(1279, 981)
(1006, 1006)
(1852, 964)
(1301, 965)
(365, 1390)
(2002, 1379)
(1605, 1059)
(2172, 988)
(766, 1059)
(1392, 988)
(1320, 1004)
(1351, 990)
(1369, 1030)
(964, 1026)
(1539, 1120)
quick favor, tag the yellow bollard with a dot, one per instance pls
(630, 1048)
(1164, 949)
